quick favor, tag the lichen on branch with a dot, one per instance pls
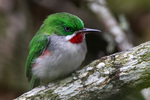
(109, 77)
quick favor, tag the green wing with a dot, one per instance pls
(37, 45)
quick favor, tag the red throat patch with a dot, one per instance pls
(78, 38)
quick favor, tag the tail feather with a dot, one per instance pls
(34, 83)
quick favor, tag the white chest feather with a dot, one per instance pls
(64, 57)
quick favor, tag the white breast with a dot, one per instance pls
(64, 58)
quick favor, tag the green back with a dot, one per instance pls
(37, 45)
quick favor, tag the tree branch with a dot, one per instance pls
(109, 77)
(104, 14)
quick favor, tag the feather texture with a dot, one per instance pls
(37, 46)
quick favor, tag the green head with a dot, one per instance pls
(61, 24)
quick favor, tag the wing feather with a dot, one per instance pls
(37, 46)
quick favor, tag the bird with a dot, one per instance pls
(57, 49)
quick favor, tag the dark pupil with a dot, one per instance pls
(67, 29)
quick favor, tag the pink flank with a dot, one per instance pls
(46, 52)
(35, 65)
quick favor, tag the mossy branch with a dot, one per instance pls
(109, 77)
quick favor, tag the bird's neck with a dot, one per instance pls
(78, 38)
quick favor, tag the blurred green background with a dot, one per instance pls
(20, 20)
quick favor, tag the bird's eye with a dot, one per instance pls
(67, 29)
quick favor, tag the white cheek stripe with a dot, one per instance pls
(68, 37)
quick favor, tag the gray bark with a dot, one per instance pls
(110, 77)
